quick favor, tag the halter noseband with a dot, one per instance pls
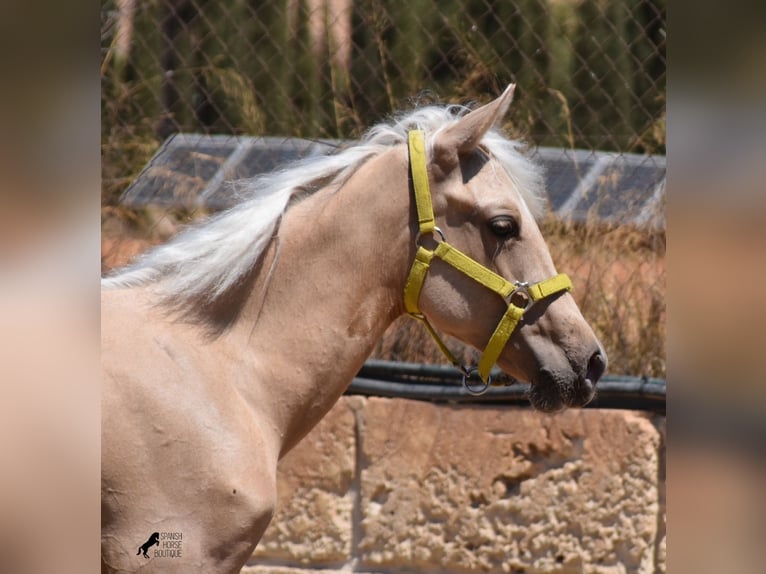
(518, 290)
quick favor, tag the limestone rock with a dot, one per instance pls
(442, 488)
(312, 523)
(507, 490)
(284, 570)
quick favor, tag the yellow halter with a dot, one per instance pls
(518, 290)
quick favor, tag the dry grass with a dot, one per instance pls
(619, 278)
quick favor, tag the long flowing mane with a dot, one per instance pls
(208, 259)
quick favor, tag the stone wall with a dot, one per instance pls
(391, 485)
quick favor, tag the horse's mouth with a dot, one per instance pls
(554, 390)
(551, 394)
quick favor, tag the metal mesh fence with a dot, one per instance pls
(590, 75)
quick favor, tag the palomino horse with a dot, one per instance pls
(223, 348)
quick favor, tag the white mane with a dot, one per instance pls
(206, 260)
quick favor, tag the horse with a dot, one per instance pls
(222, 348)
(154, 540)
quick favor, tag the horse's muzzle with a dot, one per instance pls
(553, 391)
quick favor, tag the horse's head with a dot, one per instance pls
(479, 207)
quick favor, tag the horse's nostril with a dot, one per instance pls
(596, 367)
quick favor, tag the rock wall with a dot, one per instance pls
(391, 485)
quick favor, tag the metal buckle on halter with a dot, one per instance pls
(436, 230)
(521, 292)
(475, 390)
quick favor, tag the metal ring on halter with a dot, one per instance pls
(475, 390)
(522, 288)
(436, 229)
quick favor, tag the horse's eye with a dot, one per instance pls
(504, 227)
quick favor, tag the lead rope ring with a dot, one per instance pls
(475, 390)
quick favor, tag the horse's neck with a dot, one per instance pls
(341, 262)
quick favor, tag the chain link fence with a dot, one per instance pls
(590, 76)
(590, 73)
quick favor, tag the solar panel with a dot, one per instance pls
(192, 170)
(179, 171)
(605, 186)
(564, 170)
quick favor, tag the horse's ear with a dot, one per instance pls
(464, 136)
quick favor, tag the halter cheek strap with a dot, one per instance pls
(519, 292)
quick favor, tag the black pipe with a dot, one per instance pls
(442, 383)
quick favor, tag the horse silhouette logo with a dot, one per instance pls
(153, 539)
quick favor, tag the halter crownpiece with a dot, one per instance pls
(527, 294)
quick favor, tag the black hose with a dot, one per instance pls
(442, 383)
